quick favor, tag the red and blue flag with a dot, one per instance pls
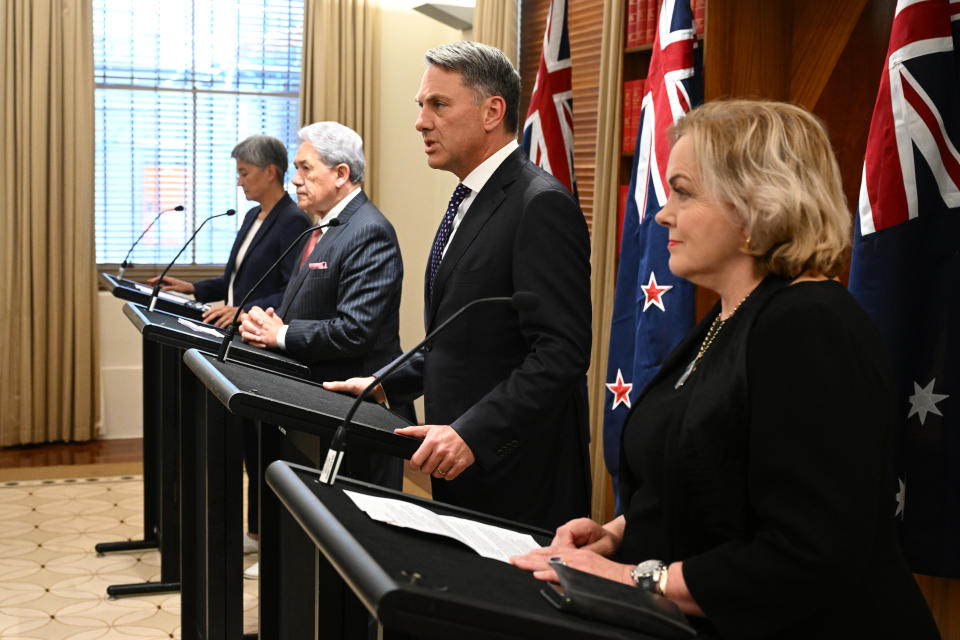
(653, 309)
(905, 270)
(548, 129)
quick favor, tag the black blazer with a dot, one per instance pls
(281, 227)
(343, 306)
(776, 489)
(513, 385)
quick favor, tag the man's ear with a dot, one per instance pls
(493, 110)
(343, 174)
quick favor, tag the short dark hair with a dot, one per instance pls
(263, 151)
(486, 71)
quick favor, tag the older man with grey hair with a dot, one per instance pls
(340, 313)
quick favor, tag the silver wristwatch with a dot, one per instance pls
(649, 575)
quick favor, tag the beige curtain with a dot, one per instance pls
(495, 24)
(341, 71)
(604, 251)
(49, 374)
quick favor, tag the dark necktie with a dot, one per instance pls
(443, 233)
(311, 243)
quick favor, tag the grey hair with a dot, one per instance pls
(336, 144)
(262, 151)
(486, 71)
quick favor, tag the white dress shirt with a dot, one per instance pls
(241, 252)
(475, 181)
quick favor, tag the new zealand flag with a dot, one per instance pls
(905, 270)
(652, 308)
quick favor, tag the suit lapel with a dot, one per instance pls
(268, 222)
(329, 236)
(242, 233)
(483, 207)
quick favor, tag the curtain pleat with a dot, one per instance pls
(341, 71)
(495, 24)
(49, 374)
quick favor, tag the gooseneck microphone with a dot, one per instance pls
(125, 264)
(521, 301)
(232, 327)
(156, 288)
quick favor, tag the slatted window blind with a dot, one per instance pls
(178, 84)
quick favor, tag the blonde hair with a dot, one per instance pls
(773, 163)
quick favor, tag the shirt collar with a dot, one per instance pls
(339, 207)
(479, 176)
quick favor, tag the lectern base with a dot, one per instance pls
(141, 588)
(126, 545)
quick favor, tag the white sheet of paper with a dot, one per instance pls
(489, 541)
(200, 328)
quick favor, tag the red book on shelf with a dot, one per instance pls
(633, 34)
(650, 20)
(637, 107)
(621, 210)
(699, 10)
(629, 116)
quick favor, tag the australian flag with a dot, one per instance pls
(905, 270)
(652, 308)
(548, 129)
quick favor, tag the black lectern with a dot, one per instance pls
(211, 592)
(165, 338)
(415, 585)
(139, 293)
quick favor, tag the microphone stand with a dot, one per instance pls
(156, 288)
(521, 301)
(232, 327)
(125, 264)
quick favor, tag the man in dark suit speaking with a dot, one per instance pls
(504, 392)
(340, 313)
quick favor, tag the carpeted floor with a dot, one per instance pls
(53, 584)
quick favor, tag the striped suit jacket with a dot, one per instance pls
(343, 306)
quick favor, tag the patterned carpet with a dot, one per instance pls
(53, 584)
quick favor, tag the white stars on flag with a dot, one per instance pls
(924, 401)
(620, 391)
(653, 293)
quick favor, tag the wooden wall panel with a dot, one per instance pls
(821, 30)
(533, 20)
(747, 49)
(850, 91)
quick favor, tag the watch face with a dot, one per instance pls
(646, 568)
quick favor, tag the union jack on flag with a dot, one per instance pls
(548, 129)
(905, 270)
(652, 309)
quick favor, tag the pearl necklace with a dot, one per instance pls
(712, 333)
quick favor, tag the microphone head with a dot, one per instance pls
(525, 301)
(230, 212)
(179, 207)
(334, 223)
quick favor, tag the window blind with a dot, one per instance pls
(178, 84)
